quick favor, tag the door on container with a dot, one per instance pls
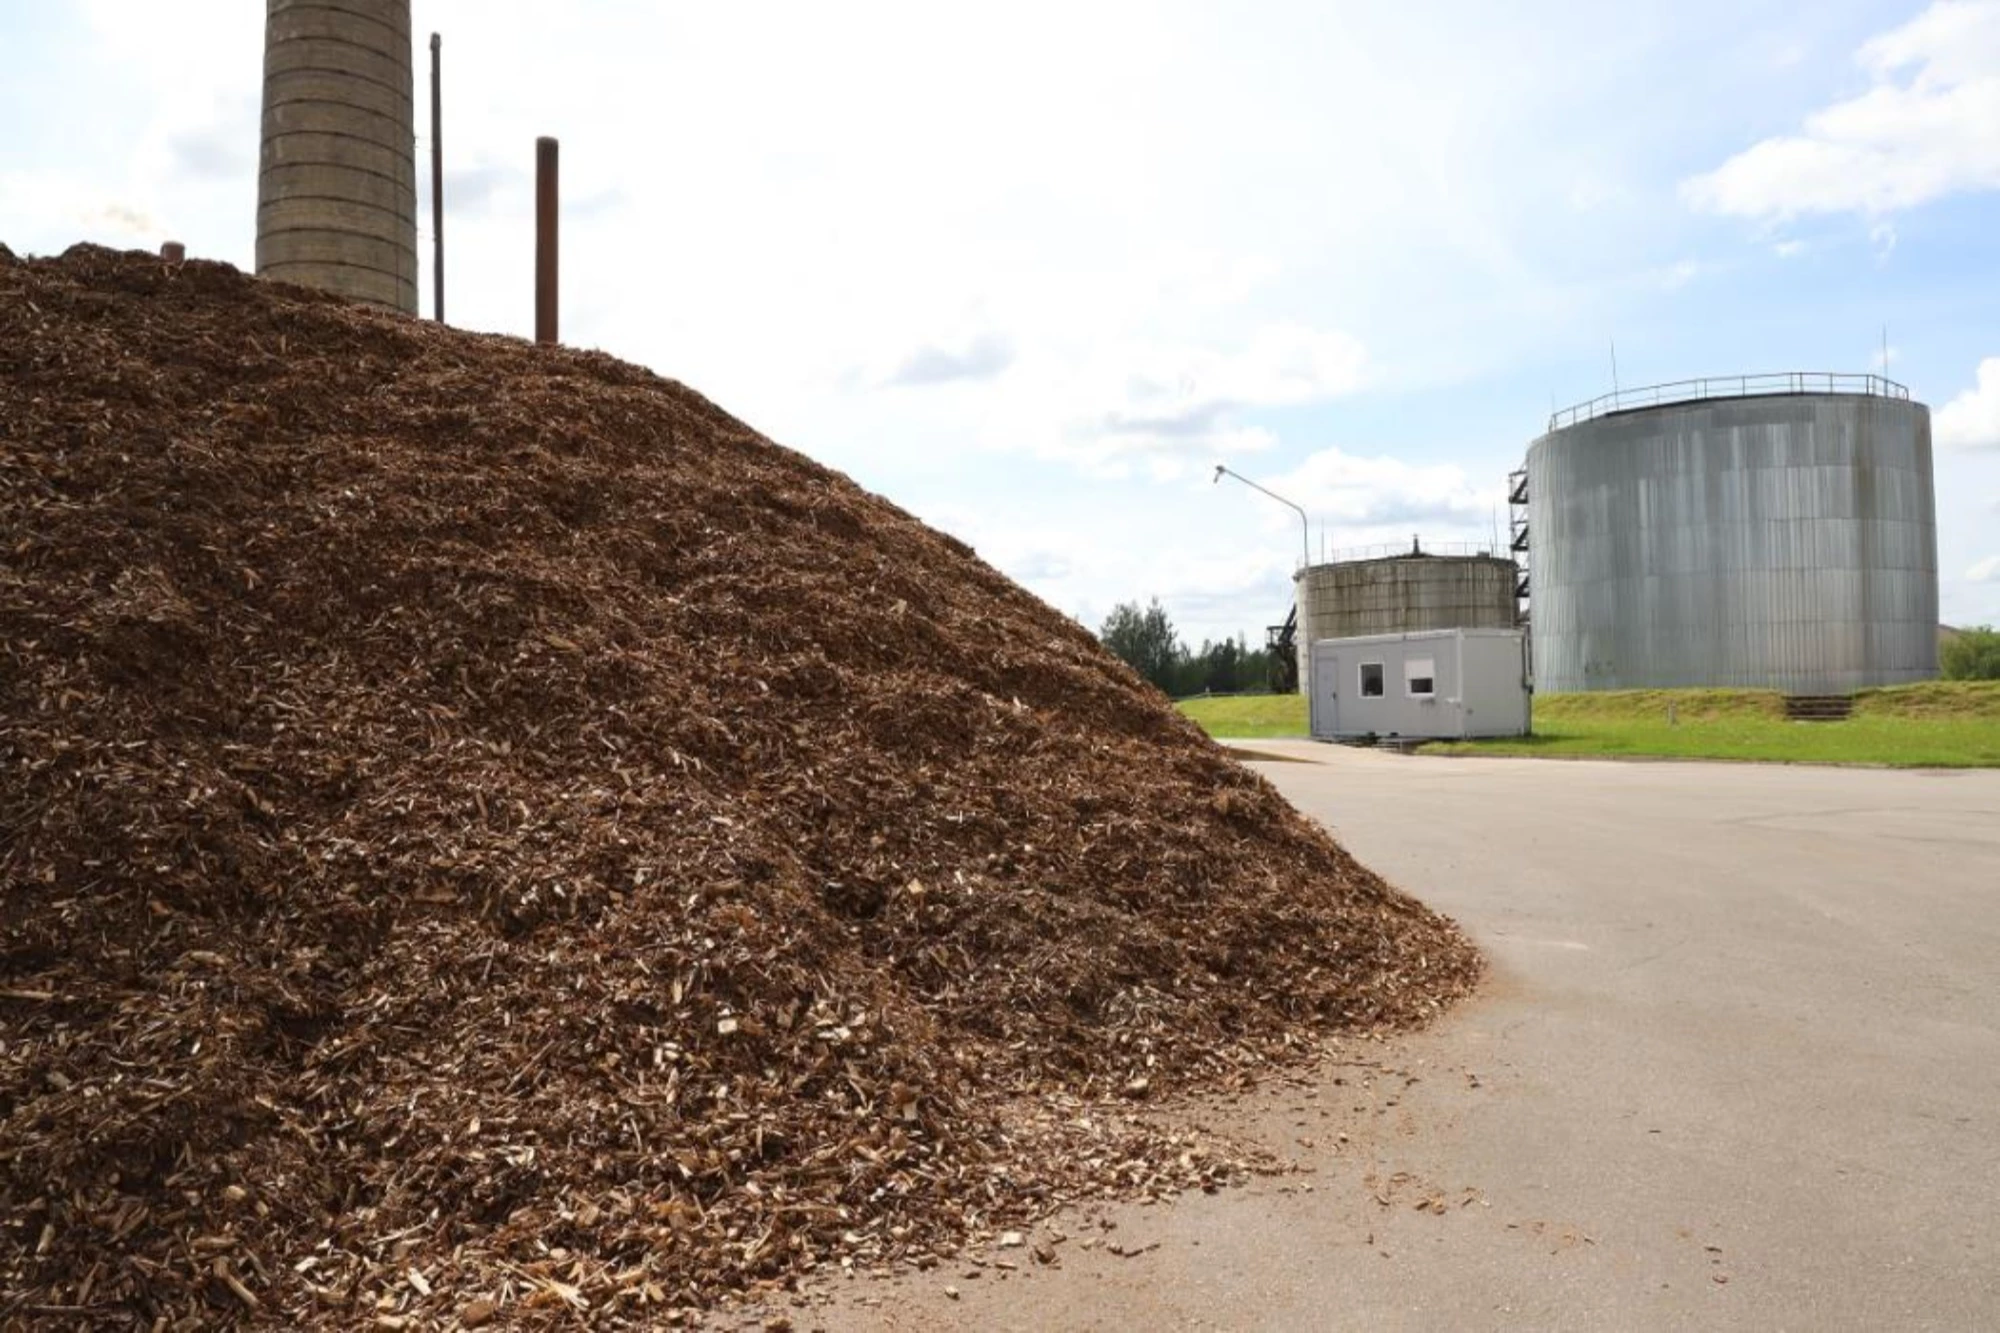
(1326, 695)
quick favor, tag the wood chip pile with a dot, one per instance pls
(488, 837)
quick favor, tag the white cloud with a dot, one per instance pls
(1588, 194)
(1986, 571)
(979, 357)
(1955, 41)
(1370, 499)
(1288, 364)
(1789, 249)
(1972, 420)
(1929, 126)
(1218, 580)
(1680, 274)
(34, 204)
(1166, 408)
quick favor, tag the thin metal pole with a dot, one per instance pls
(1305, 527)
(437, 177)
(545, 240)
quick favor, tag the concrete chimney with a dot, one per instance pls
(337, 177)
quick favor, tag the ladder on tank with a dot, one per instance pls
(1517, 524)
(1281, 654)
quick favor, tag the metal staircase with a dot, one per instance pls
(1819, 707)
(1282, 658)
(1517, 524)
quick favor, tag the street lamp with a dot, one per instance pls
(1305, 530)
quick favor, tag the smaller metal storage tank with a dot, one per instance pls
(1450, 684)
(1396, 593)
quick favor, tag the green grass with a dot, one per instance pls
(1933, 725)
(1947, 700)
(1940, 724)
(1249, 716)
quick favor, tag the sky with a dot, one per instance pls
(1032, 271)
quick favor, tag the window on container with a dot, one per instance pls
(1371, 680)
(1420, 673)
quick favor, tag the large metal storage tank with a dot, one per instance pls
(1398, 594)
(1781, 540)
(337, 177)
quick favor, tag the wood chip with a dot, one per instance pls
(236, 1288)
(449, 781)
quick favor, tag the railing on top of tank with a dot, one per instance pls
(1727, 386)
(1387, 550)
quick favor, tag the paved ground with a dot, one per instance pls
(1738, 1066)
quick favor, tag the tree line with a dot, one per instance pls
(1145, 638)
(1971, 654)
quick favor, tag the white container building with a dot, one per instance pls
(1446, 684)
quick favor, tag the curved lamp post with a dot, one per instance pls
(1305, 530)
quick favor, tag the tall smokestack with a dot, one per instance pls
(546, 211)
(337, 178)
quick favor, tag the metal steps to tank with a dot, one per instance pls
(1819, 707)
(1518, 543)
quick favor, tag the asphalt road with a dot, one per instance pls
(1738, 1066)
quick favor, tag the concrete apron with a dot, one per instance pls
(1736, 1067)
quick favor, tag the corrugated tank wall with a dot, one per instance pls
(1786, 542)
(337, 183)
(1397, 594)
